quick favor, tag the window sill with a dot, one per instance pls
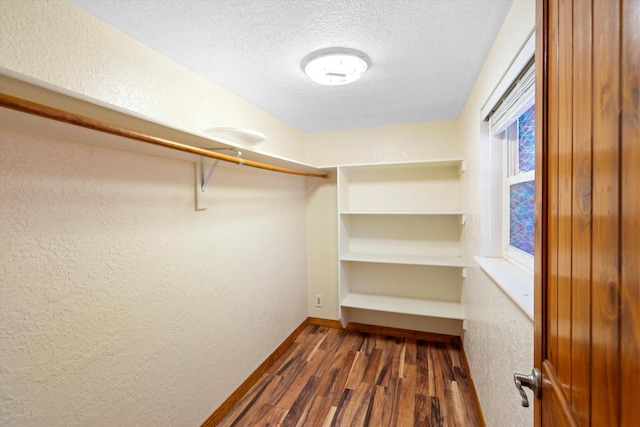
(515, 282)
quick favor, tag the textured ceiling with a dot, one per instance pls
(425, 54)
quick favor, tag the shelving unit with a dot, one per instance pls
(399, 241)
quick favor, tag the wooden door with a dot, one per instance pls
(587, 308)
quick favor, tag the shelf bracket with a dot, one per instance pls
(204, 181)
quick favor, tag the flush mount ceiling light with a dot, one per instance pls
(335, 66)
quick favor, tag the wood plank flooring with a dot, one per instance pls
(334, 377)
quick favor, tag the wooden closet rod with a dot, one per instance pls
(41, 110)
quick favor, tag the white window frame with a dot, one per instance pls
(514, 278)
(506, 103)
(512, 176)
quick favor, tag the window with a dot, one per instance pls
(510, 163)
(518, 189)
(507, 165)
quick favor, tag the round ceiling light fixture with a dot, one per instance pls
(335, 66)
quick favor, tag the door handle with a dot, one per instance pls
(533, 381)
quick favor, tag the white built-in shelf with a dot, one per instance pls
(441, 163)
(452, 213)
(399, 242)
(433, 260)
(22, 86)
(411, 306)
(463, 217)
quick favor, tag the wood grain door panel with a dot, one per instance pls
(587, 327)
(557, 410)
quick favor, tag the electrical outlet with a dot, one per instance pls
(318, 300)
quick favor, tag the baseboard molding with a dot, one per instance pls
(317, 321)
(472, 387)
(244, 388)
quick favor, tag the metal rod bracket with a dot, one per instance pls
(204, 181)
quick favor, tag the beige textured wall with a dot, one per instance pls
(499, 336)
(322, 247)
(119, 303)
(415, 141)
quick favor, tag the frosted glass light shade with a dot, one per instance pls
(335, 66)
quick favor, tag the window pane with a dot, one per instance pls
(521, 216)
(526, 140)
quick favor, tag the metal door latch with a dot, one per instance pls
(533, 381)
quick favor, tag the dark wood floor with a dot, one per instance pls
(333, 377)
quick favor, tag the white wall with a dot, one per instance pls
(499, 336)
(122, 305)
(119, 303)
(322, 248)
(414, 141)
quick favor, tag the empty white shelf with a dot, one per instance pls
(429, 308)
(452, 213)
(21, 86)
(440, 163)
(435, 260)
